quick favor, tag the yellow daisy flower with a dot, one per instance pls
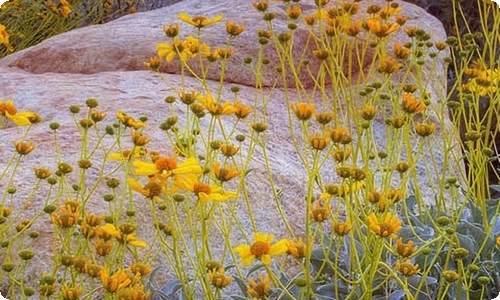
(199, 21)
(167, 166)
(387, 227)
(9, 111)
(203, 191)
(261, 249)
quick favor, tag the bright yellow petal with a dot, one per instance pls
(138, 243)
(111, 230)
(163, 49)
(279, 248)
(186, 18)
(263, 237)
(144, 168)
(20, 119)
(266, 259)
(135, 185)
(189, 166)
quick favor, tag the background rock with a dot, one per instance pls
(106, 62)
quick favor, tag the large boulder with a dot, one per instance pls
(106, 62)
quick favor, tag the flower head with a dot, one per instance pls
(4, 38)
(261, 249)
(407, 268)
(218, 279)
(199, 21)
(405, 249)
(411, 104)
(386, 227)
(167, 166)
(119, 280)
(215, 107)
(129, 121)
(261, 289)
(9, 111)
(203, 191)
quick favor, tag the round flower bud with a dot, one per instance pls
(113, 183)
(92, 103)
(8, 267)
(64, 168)
(74, 109)
(50, 208)
(54, 125)
(450, 276)
(26, 254)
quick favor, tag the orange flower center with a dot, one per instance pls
(165, 164)
(200, 187)
(199, 20)
(9, 108)
(259, 248)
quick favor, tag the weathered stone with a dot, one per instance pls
(106, 62)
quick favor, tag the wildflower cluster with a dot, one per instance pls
(184, 211)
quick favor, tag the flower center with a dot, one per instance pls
(165, 164)
(259, 248)
(200, 187)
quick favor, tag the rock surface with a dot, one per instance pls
(106, 62)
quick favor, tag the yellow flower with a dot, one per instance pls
(199, 21)
(68, 214)
(215, 107)
(297, 248)
(218, 279)
(111, 230)
(261, 249)
(225, 173)
(167, 166)
(9, 110)
(133, 292)
(381, 28)
(411, 104)
(128, 121)
(303, 111)
(405, 249)
(388, 227)
(170, 51)
(152, 190)
(203, 191)
(119, 280)
(319, 211)
(341, 228)
(241, 111)
(261, 289)
(4, 39)
(407, 268)
(70, 293)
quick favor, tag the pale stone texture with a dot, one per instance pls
(106, 62)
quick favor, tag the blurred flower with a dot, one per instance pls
(386, 227)
(218, 278)
(425, 129)
(234, 29)
(203, 191)
(261, 249)
(411, 104)
(261, 289)
(4, 39)
(241, 111)
(379, 27)
(112, 283)
(70, 292)
(303, 111)
(68, 214)
(111, 230)
(199, 21)
(407, 268)
(9, 111)
(389, 65)
(297, 248)
(129, 121)
(225, 173)
(24, 148)
(341, 228)
(167, 166)
(170, 51)
(215, 107)
(319, 211)
(133, 292)
(405, 249)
